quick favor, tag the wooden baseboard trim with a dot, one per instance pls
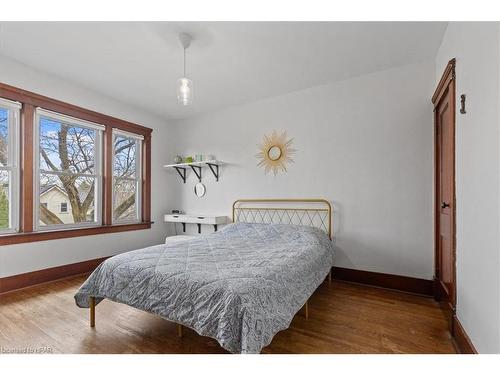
(24, 280)
(462, 342)
(439, 291)
(384, 280)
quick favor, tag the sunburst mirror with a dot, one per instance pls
(275, 152)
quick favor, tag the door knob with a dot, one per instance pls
(444, 204)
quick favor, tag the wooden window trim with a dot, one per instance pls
(29, 102)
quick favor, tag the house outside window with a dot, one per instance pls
(69, 171)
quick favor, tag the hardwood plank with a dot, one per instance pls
(345, 318)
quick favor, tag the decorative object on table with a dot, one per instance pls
(184, 84)
(199, 190)
(198, 157)
(189, 159)
(275, 152)
(178, 159)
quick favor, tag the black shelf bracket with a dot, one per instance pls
(182, 173)
(197, 173)
(215, 170)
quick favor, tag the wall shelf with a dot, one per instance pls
(196, 167)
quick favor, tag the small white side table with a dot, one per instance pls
(195, 219)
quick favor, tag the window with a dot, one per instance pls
(68, 168)
(127, 179)
(9, 165)
(66, 171)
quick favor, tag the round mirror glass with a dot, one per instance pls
(199, 190)
(274, 153)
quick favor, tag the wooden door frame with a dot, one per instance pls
(447, 83)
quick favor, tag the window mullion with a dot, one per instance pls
(107, 203)
(28, 182)
(138, 175)
(61, 173)
(125, 178)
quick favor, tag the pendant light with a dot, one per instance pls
(184, 84)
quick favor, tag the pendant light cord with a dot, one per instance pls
(184, 62)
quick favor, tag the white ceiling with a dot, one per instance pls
(229, 62)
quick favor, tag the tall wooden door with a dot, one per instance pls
(444, 123)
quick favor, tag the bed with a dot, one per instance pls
(240, 285)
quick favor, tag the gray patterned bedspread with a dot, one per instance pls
(240, 285)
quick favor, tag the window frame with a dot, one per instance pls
(97, 175)
(138, 175)
(26, 152)
(12, 167)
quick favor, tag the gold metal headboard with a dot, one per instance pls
(312, 212)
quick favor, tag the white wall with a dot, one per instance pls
(28, 257)
(476, 47)
(365, 144)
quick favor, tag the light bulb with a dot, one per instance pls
(184, 91)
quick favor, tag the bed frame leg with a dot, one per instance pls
(179, 331)
(306, 310)
(92, 311)
(330, 278)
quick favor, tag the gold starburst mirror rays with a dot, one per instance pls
(275, 152)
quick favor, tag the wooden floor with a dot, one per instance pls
(345, 318)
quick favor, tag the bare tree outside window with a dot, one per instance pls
(125, 178)
(67, 172)
(4, 133)
(69, 165)
(4, 175)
